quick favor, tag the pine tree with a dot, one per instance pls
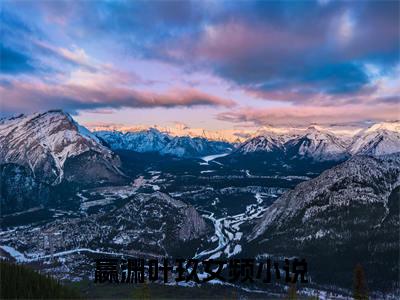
(360, 291)
(292, 292)
(22, 282)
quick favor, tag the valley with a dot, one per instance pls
(123, 195)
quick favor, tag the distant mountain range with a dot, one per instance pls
(234, 135)
(152, 140)
(320, 145)
(314, 143)
(53, 146)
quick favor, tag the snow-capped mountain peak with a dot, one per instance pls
(379, 139)
(43, 142)
(320, 144)
(393, 126)
(317, 144)
(152, 140)
(264, 143)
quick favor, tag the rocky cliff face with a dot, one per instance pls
(347, 215)
(40, 151)
(45, 143)
(193, 225)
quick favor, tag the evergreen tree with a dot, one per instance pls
(292, 292)
(359, 285)
(18, 281)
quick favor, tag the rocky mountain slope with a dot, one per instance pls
(321, 145)
(152, 140)
(52, 146)
(266, 143)
(39, 152)
(379, 139)
(318, 145)
(347, 215)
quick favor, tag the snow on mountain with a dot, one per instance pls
(341, 215)
(152, 140)
(180, 130)
(379, 139)
(312, 143)
(194, 147)
(343, 185)
(235, 136)
(317, 144)
(266, 143)
(320, 144)
(44, 142)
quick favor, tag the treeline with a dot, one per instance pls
(20, 282)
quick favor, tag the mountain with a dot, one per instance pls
(307, 152)
(54, 148)
(179, 129)
(379, 139)
(152, 140)
(347, 215)
(318, 145)
(195, 147)
(266, 143)
(313, 143)
(40, 151)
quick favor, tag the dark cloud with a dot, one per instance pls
(311, 48)
(302, 52)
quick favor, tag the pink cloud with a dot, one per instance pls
(236, 40)
(29, 96)
(305, 115)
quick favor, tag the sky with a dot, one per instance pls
(206, 64)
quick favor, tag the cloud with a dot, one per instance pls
(76, 57)
(323, 53)
(308, 54)
(27, 97)
(300, 116)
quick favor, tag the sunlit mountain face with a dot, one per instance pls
(201, 130)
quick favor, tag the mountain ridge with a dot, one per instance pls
(379, 139)
(45, 141)
(153, 140)
(349, 212)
